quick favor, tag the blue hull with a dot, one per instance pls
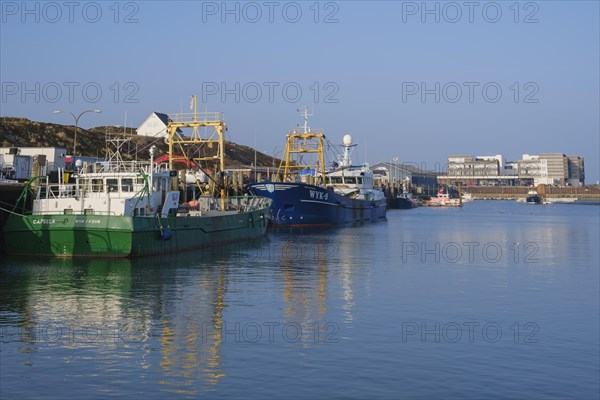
(533, 200)
(299, 204)
(401, 203)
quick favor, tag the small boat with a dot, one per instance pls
(122, 208)
(403, 200)
(533, 198)
(443, 200)
(308, 195)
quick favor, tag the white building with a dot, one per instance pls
(534, 167)
(478, 167)
(19, 162)
(545, 168)
(14, 166)
(155, 125)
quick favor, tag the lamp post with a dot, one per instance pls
(395, 169)
(76, 117)
(274, 154)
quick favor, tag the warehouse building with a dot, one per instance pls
(545, 168)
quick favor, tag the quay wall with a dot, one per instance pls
(515, 192)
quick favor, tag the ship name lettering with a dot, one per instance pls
(43, 221)
(318, 195)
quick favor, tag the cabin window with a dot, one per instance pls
(68, 211)
(88, 211)
(335, 180)
(158, 185)
(350, 179)
(112, 184)
(359, 181)
(97, 185)
(127, 184)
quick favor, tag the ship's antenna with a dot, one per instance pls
(194, 107)
(305, 114)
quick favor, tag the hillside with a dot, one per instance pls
(21, 132)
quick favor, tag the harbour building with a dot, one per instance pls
(576, 171)
(20, 163)
(394, 174)
(544, 168)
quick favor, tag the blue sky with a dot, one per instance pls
(415, 80)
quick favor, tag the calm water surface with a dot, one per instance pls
(494, 300)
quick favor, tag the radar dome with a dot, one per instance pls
(78, 163)
(347, 140)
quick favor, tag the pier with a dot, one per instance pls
(547, 192)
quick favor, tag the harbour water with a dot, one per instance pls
(496, 299)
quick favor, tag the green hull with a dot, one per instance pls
(123, 236)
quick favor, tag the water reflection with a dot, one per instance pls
(167, 313)
(59, 300)
(167, 327)
(492, 234)
(316, 266)
(191, 333)
(109, 305)
(304, 269)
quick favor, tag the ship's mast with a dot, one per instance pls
(346, 160)
(305, 114)
(115, 143)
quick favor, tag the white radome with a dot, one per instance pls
(347, 140)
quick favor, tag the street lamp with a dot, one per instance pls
(76, 124)
(395, 169)
(274, 154)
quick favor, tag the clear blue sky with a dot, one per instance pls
(374, 58)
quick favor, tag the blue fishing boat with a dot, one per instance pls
(403, 200)
(310, 195)
(533, 198)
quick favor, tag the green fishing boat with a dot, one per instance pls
(122, 208)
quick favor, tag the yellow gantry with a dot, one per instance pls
(301, 143)
(195, 121)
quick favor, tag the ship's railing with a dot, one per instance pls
(304, 147)
(88, 213)
(129, 189)
(319, 131)
(113, 166)
(56, 191)
(209, 116)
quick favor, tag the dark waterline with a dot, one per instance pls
(494, 300)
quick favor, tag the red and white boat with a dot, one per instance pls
(443, 200)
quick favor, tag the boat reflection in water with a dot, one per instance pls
(99, 308)
(313, 271)
(180, 324)
(304, 272)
